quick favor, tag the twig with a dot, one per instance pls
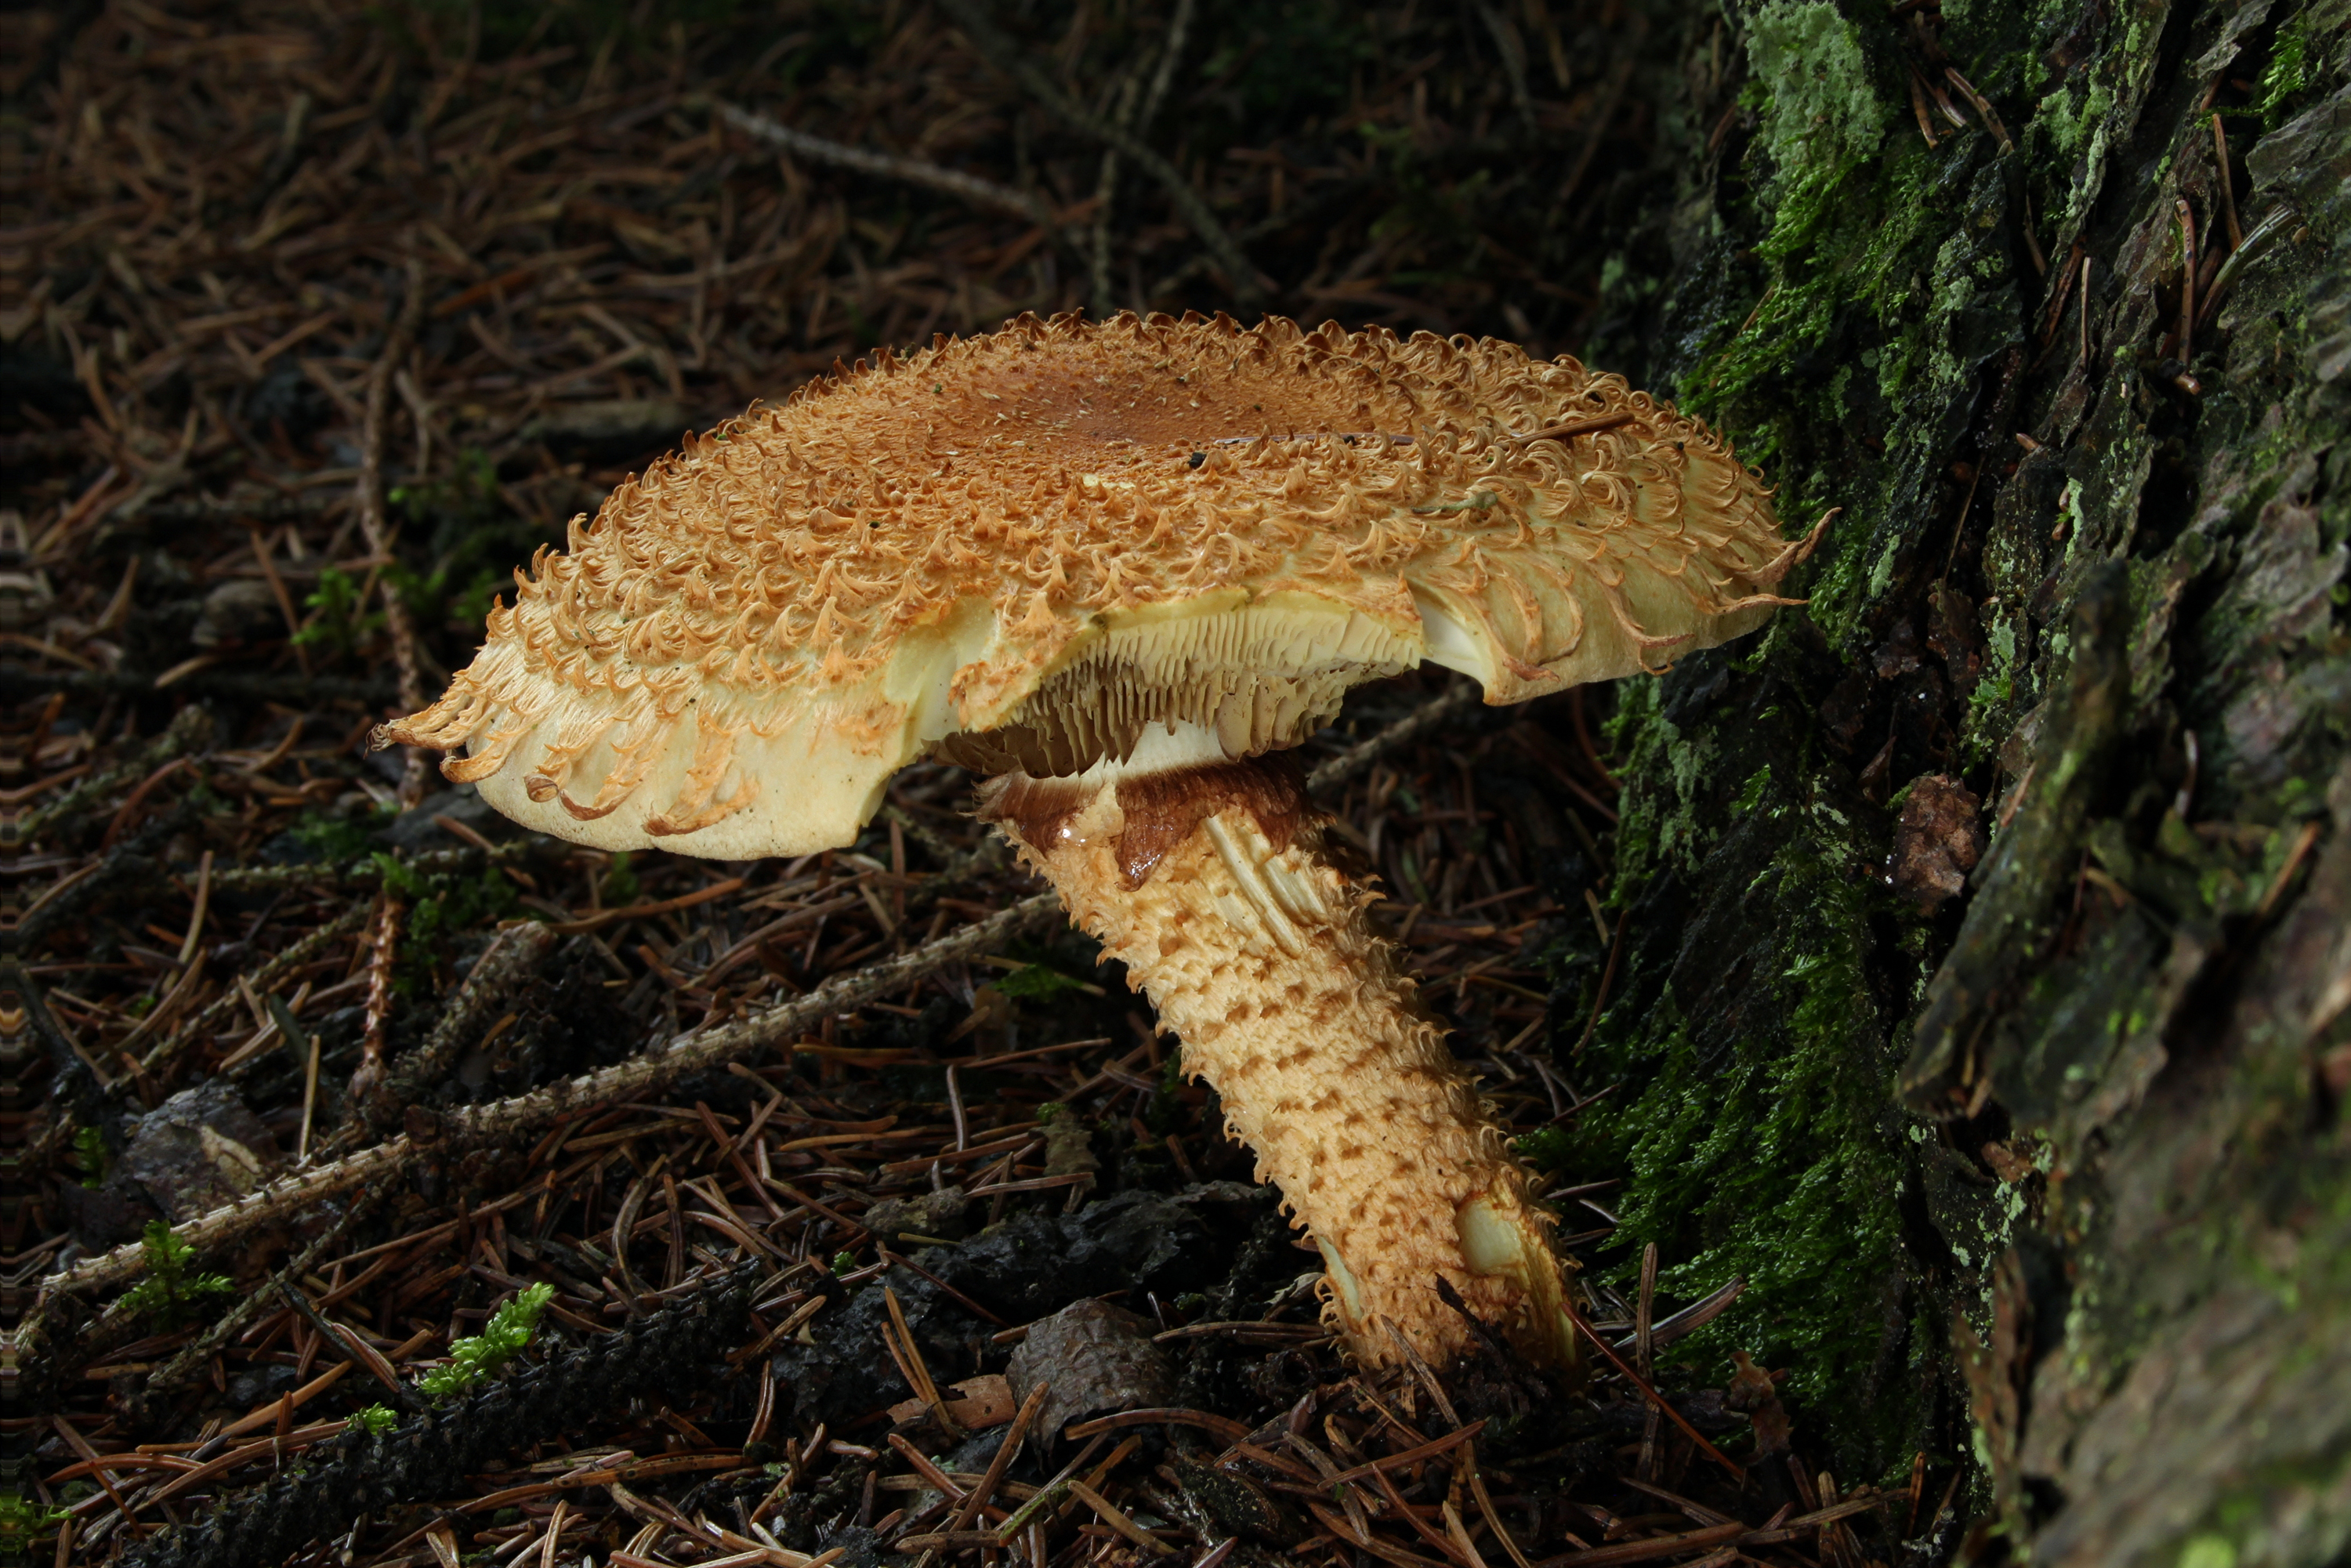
(364, 872)
(1001, 52)
(1420, 1452)
(888, 165)
(2187, 280)
(2284, 878)
(293, 1033)
(206, 1345)
(1608, 1352)
(1513, 53)
(191, 730)
(512, 956)
(911, 1367)
(1053, 1493)
(506, 1120)
(1603, 115)
(1430, 715)
(260, 982)
(397, 619)
(2085, 315)
(1643, 1343)
(2272, 223)
(1919, 109)
(2059, 295)
(1572, 428)
(382, 943)
(993, 1477)
(1486, 1507)
(1607, 978)
(335, 1335)
(2228, 185)
(1982, 107)
(1112, 1515)
(1694, 1317)
(435, 1453)
(1131, 118)
(713, 1048)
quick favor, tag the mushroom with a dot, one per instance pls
(1117, 569)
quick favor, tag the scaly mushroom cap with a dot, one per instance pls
(1022, 549)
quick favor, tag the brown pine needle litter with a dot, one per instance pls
(636, 1234)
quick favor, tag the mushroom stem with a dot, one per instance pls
(1214, 886)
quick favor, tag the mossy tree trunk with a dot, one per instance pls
(2047, 1178)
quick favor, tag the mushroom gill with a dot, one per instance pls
(1259, 675)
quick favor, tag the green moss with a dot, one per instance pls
(441, 905)
(1547, 1149)
(89, 1156)
(1859, 242)
(1772, 1164)
(2288, 73)
(1991, 706)
(338, 840)
(1823, 122)
(23, 1522)
(620, 884)
(1824, 109)
(2065, 118)
(473, 1360)
(1630, 732)
(1039, 982)
(174, 1293)
(336, 625)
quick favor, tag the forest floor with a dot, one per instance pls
(336, 319)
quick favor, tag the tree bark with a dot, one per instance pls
(2042, 1172)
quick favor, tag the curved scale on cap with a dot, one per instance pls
(952, 550)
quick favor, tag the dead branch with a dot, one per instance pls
(1424, 720)
(168, 1049)
(509, 961)
(398, 621)
(1006, 55)
(888, 165)
(201, 1349)
(506, 1120)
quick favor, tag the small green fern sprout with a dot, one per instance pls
(171, 1293)
(472, 1361)
(377, 1418)
(89, 1155)
(23, 1520)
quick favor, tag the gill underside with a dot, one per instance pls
(1257, 679)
